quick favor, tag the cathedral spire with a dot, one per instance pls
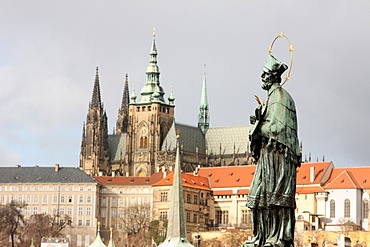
(176, 228)
(96, 99)
(203, 117)
(152, 78)
(122, 120)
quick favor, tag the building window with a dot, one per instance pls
(188, 198)
(80, 210)
(187, 217)
(69, 211)
(113, 213)
(246, 217)
(103, 201)
(35, 199)
(164, 196)
(81, 188)
(103, 213)
(366, 209)
(195, 218)
(87, 222)
(34, 210)
(45, 199)
(347, 208)
(79, 222)
(55, 199)
(195, 199)
(163, 216)
(143, 142)
(88, 200)
(61, 211)
(62, 199)
(222, 217)
(114, 201)
(332, 208)
(88, 211)
(121, 201)
(69, 199)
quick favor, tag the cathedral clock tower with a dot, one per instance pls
(150, 119)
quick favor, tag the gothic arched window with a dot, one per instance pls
(366, 209)
(332, 208)
(347, 208)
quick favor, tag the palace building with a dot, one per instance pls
(145, 134)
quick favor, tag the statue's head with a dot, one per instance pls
(272, 71)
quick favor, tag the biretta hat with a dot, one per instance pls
(274, 65)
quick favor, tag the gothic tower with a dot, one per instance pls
(203, 116)
(122, 120)
(150, 119)
(94, 156)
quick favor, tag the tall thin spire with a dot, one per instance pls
(203, 117)
(96, 99)
(176, 228)
(122, 120)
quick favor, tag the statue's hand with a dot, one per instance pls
(252, 119)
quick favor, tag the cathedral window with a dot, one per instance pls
(347, 208)
(332, 208)
(366, 209)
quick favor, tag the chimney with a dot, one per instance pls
(312, 174)
(18, 165)
(157, 169)
(113, 174)
(100, 174)
(163, 169)
(127, 174)
(196, 171)
(170, 168)
(56, 167)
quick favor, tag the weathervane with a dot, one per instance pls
(282, 35)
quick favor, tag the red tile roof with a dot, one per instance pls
(118, 180)
(228, 176)
(222, 192)
(188, 180)
(303, 172)
(309, 190)
(342, 178)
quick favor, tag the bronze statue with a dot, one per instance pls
(275, 147)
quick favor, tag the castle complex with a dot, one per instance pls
(145, 134)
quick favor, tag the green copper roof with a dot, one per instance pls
(152, 84)
(117, 146)
(176, 229)
(98, 242)
(190, 138)
(225, 139)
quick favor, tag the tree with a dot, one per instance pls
(135, 221)
(234, 238)
(156, 232)
(12, 221)
(44, 225)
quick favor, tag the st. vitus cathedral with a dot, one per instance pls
(145, 134)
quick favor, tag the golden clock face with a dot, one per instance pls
(143, 131)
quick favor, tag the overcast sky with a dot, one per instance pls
(49, 51)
